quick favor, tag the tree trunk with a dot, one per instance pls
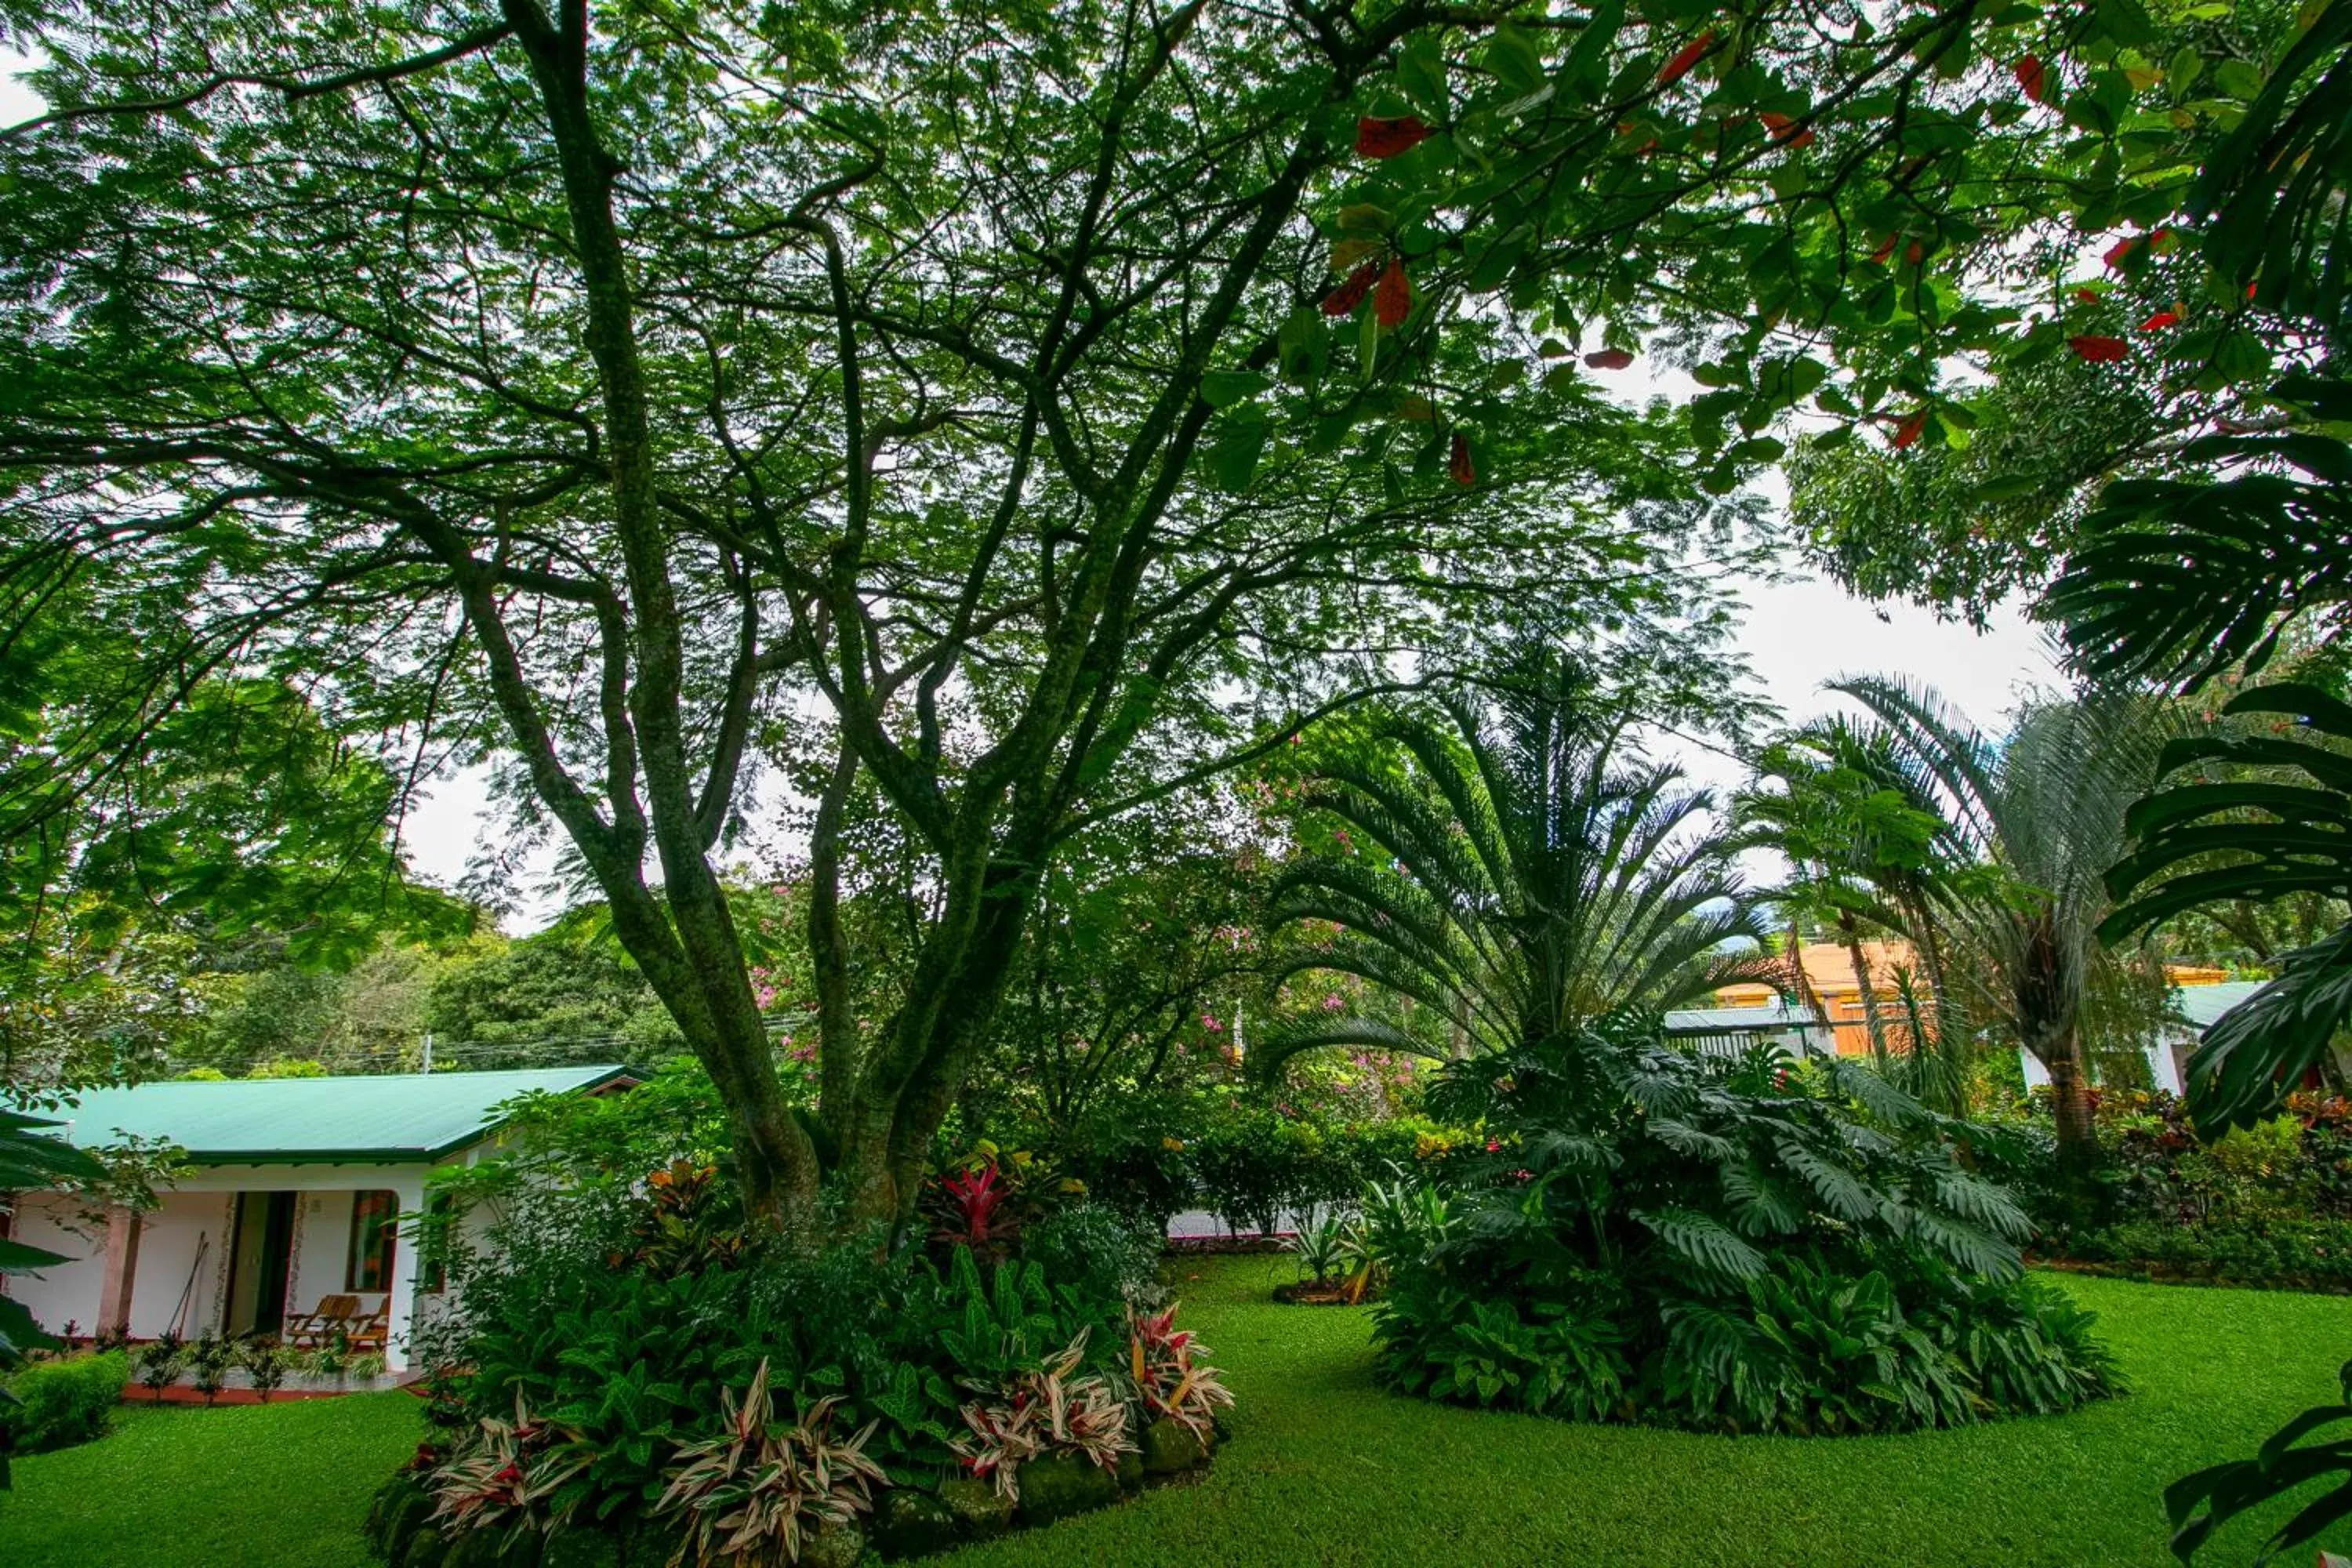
(1871, 1019)
(1802, 985)
(2070, 1102)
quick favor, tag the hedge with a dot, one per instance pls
(61, 1402)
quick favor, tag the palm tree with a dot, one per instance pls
(2040, 816)
(1834, 800)
(1523, 874)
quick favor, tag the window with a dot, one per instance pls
(375, 1230)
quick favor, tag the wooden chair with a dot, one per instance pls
(315, 1328)
(371, 1330)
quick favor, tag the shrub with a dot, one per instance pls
(1098, 1251)
(266, 1363)
(587, 1369)
(1054, 1410)
(1731, 1247)
(755, 1494)
(208, 1362)
(61, 1402)
(1173, 1381)
(159, 1362)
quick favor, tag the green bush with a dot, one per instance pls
(2278, 1252)
(61, 1402)
(1646, 1235)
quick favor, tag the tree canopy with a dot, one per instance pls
(1018, 412)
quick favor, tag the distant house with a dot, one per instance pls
(296, 1187)
(1843, 1023)
(2197, 1004)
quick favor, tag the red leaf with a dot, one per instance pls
(1457, 461)
(2099, 350)
(2088, 296)
(1689, 55)
(1387, 138)
(1883, 251)
(1910, 429)
(2032, 79)
(1784, 130)
(2250, 290)
(2120, 252)
(1610, 359)
(2161, 321)
(1343, 301)
(1914, 253)
(1392, 301)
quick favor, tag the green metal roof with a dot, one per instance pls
(2203, 1005)
(387, 1118)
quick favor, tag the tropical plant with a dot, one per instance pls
(2302, 1451)
(1320, 1246)
(1863, 853)
(758, 1492)
(159, 1362)
(2181, 578)
(1746, 1246)
(1522, 875)
(502, 1475)
(1170, 1377)
(208, 1360)
(974, 1214)
(2039, 817)
(691, 1222)
(266, 1362)
(2269, 815)
(31, 1161)
(1051, 1408)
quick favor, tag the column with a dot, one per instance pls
(402, 1295)
(121, 1271)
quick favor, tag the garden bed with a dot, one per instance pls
(1327, 1468)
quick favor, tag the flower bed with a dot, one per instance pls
(632, 1383)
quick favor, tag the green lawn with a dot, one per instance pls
(1325, 1469)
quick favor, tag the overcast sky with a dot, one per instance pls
(1795, 635)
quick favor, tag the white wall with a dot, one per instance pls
(2163, 1066)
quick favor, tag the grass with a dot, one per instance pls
(1325, 1469)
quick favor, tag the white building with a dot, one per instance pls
(294, 1194)
(2197, 1009)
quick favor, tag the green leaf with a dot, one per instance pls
(1241, 440)
(1224, 388)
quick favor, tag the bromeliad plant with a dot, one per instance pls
(755, 1495)
(1171, 1380)
(973, 1210)
(1056, 1409)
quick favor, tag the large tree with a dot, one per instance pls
(1058, 402)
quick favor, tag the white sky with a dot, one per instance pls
(1796, 634)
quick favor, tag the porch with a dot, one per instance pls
(242, 1251)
